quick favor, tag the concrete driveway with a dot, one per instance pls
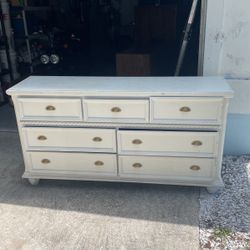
(87, 215)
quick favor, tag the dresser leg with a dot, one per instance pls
(213, 190)
(33, 181)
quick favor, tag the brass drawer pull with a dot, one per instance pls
(99, 163)
(97, 139)
(197, 143)
(137, 142)
(50, 108)
(45, 161)
(195, 168)
(137, 165)
(42, 138)
(185, 109)
(116, 110)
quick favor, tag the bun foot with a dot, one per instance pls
(213, 190)
(34, 181)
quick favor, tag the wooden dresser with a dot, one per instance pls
(145, 129)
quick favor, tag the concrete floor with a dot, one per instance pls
(7, 119)
(87, 215)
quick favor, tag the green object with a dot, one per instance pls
(222, 233)
(21, 2)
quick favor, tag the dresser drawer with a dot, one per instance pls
(167, 142)
(186, 110)
(150, 167)
(70, 139)
(50, 109)
(131, 111)
(72, 162)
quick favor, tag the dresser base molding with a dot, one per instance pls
(211, 185)
(156, 130)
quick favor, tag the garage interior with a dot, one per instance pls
(95, 38)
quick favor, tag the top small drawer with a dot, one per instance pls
(50, 109)
(114, 110)
(186, 110)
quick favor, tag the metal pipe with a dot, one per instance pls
(186, 37)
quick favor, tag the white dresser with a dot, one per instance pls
(148, 129)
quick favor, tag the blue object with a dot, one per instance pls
(237, 141)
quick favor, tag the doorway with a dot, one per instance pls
(114, 37)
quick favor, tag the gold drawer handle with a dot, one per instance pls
(97, 139)
(45, 161)
(137, 142)
(137, 165)
(42, 138)
(197, 143)
(50, 108)
(195, 168)
(99, 163)
(116, 110)
(185, 109)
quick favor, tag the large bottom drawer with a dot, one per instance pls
(104, 164)
(165, 167)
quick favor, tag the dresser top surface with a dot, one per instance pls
(122, 86)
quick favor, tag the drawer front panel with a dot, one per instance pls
(96, 110)
(186, 110)
(167, 142)
(163, 167)
(71, 162)
(80, 139)
(50, 109)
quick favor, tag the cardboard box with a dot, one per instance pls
(133, 64)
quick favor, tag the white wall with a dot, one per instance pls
(235, 57)
(227, 53)
(227, 48)
(213, 36)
